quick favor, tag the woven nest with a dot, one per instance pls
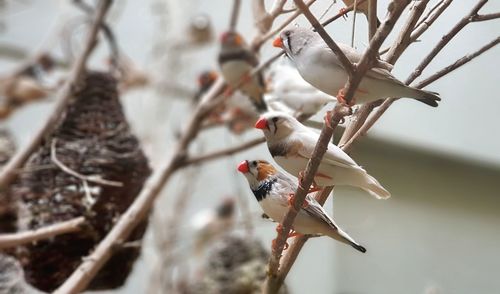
(235, 265)
(92, 139)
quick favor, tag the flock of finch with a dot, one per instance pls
(278, 115)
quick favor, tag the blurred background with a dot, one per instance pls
(438, 233)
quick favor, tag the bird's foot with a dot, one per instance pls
(228, 92)
(291, 201)
(279, 230)
(343, 12)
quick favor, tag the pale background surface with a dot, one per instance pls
(439, 232)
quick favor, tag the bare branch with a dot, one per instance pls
(429, 19)
(483, 17)
(224, 152)
(234, 15)
(21, 238)
(87, 178)
(372, 18)
(465, 59)
(259, 40)
(263, 19)
(404, 38)
(9, 172)
(342, 13)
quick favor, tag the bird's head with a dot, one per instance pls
(256, 171)
(277, 125)
(226, 208)
(232, 39)
(207, 78)
(294, 40)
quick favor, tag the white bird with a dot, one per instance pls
(290, 93)
(318, 65)
(292, 144)
(273, 191)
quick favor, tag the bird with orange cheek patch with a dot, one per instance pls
(292, 144)
(273, 190)
(236, 61)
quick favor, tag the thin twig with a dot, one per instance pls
(42, 233)
(259, 40)
(9, 172)
(461, 61)
(404, 40)
(342, 13)
(442, 43)
(372, 18)
(233, 20)
(86, 178)
(225, 152)
(483, 17)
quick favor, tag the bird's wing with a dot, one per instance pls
(333, 156)
(239, 54)
(315, 210)
(354, 57)
(383, 74)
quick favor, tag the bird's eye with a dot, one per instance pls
(275, 119)
(254, 163)
(287, 33)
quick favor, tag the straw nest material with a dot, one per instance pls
(94, 140)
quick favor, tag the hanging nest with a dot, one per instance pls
(94, 141)
(235, 265)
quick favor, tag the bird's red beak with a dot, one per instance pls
(243, 166)
(261, 124)
(278, 42)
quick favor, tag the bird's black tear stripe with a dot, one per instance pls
(264, 188)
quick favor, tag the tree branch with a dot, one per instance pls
(225, 152)
(404, 38)
(8, 173)
(372, 18)
(233, 20)
(483, 17)
(21, 238)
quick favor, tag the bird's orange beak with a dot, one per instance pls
(243, 166)
(261, 124)
(278, 42)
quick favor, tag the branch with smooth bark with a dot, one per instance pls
(224, 152)
(434, 77)
(8, 173)
(418, 71)
(43, 233)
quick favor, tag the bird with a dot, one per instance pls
(205, 80)
(361, 7)
(236, 62)
(291, 144)
(318, 65)
(273, 190)
(213, 223)
(289, 92)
